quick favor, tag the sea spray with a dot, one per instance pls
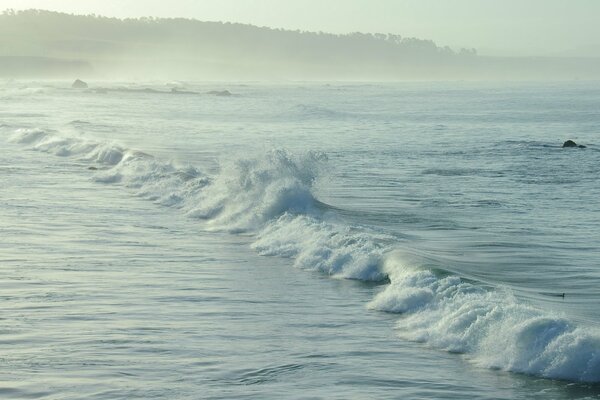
(491, 326)
(248, 192)
(271, 197)
(316, 244)
(163, 182)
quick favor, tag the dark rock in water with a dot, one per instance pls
(570, 143)
(93, 168)
(220, 92)
(79, 84)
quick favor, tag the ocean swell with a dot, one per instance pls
(491, 326)
(270, 197)
(248, 192)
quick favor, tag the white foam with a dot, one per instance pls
(492, 327)
(249, 192)
(315, 244)
(52, 142)
(271, 197)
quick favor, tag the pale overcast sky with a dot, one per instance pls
(495, 27)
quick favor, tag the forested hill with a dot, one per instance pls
(191, 49)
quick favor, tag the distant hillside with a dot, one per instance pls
(190, 49)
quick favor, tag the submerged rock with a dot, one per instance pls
(79, 84)
(570, 143)
(220, 92)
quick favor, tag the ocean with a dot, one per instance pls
(170, 240)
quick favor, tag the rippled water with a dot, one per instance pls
(149, 241)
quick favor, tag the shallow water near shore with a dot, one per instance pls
(300, 241)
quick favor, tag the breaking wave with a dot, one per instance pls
(491, 326)
(271, 198)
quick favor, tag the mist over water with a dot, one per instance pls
(194, 209)
(44, 44)
(165, 245)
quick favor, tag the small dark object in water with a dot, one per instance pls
(570, 143)
(93, 168)
(553, 294)
(79, 84)
(220, 92)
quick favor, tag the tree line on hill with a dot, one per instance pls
(179, 48)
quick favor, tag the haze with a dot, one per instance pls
(497, 28)
(272, 40)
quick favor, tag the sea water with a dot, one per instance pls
(303, 241)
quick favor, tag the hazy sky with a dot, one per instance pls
(499, 27)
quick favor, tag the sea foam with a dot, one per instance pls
(270, 196)
(493, 327)
(248, 192)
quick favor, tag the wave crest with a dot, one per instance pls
(251, 191)
(271, 197)
(491, 326)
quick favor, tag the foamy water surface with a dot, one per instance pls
(300, 241)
